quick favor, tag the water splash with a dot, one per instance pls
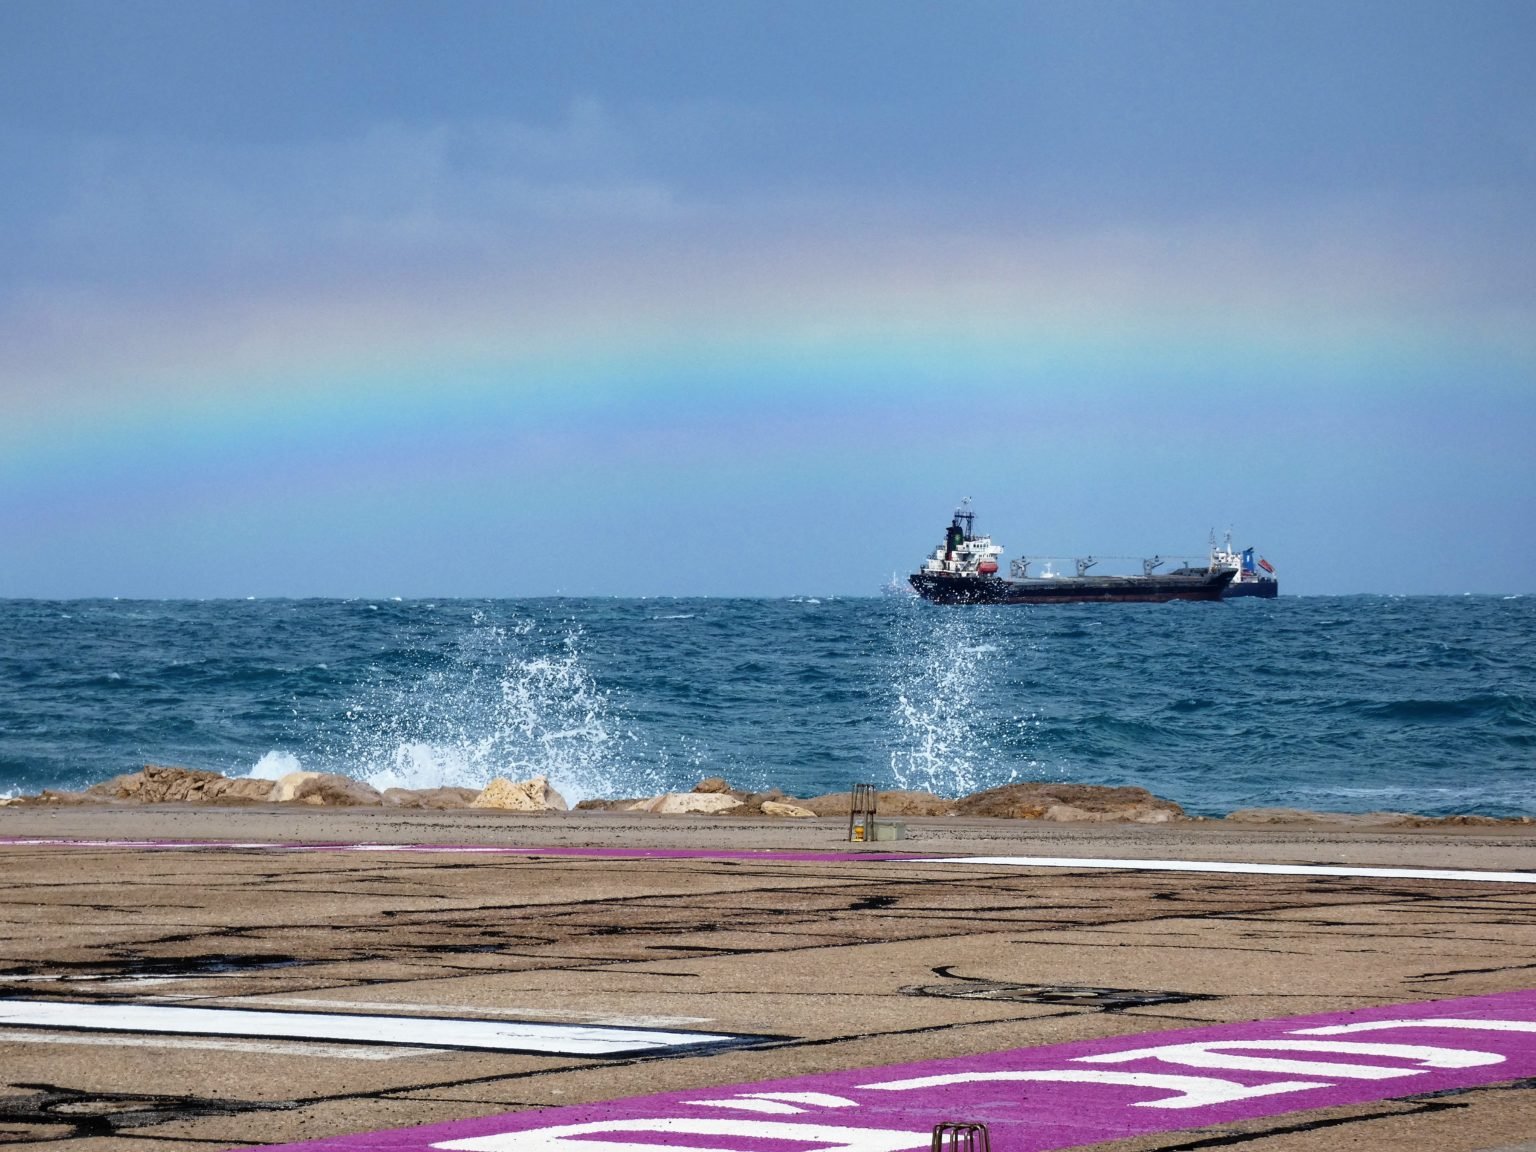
(276, 764)
(507, 699)
(940, 702)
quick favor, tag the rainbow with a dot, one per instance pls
(814, 363)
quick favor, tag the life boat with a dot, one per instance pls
(987, 568)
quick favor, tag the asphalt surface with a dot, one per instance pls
(845, 960)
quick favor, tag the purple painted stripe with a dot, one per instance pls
(1036, 1099)
(476, 849)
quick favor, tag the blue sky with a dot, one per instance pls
(360, 298)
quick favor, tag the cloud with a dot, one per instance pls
(149, 208)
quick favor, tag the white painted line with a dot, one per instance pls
(415, 1031)
(607, 1018)
(285, 1048)
(1219, 866)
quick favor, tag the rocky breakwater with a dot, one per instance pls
(160, 784)
(1053, 802)
(1086, 803)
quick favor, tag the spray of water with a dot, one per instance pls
(943, 723)
(507, 700)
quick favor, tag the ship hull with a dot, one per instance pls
(1265, 589)
(943, 588)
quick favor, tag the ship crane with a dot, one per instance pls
(963, 570)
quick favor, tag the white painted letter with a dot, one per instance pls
(1193, 1091)
(827, 1137)
(1211, 1054)
(778, 1103)
(1448, 1022)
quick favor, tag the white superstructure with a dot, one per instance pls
(1242, 563)
(963, 553)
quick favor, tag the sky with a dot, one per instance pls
(465, 298)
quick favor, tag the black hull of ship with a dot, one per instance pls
(1264, 589)
(942, 588)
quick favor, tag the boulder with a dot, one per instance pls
(1063, 814)
(597, 804)
(520, 796)
(160, 784)
(288, 785)
(675, 803)
(1303, 816)
(789, 811)
(429, 797)
(1068, 803)
(894, 803)
(48, 797)
(247, 788)
(336, 791)
(712, 784)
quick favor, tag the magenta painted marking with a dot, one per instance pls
(476, 849)
(1035, 1099)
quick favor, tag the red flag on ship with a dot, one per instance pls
(1266, 565)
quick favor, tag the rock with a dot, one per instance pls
(675, 803)
(597, 805)
(894, 803)
(1302, 816)
(1063, 814)
(1468, 820)
(336, 791)
(520, 796)
(1070, 803)
(429, 797)
(124, 787)
(49, 796)
(712, 784)
(791, 811)
(159, 784)
(288, 785)
(245, 788)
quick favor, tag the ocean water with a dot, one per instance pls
(1343, 704)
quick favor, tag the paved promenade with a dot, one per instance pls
(743, 975)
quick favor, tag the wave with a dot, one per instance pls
(1426, 703)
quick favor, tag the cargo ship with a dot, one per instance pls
(964, 570)
(1250, 577)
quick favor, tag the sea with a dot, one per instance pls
(1346, 704)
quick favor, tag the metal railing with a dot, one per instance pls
(862, 801)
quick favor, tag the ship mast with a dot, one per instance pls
(965, 518)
